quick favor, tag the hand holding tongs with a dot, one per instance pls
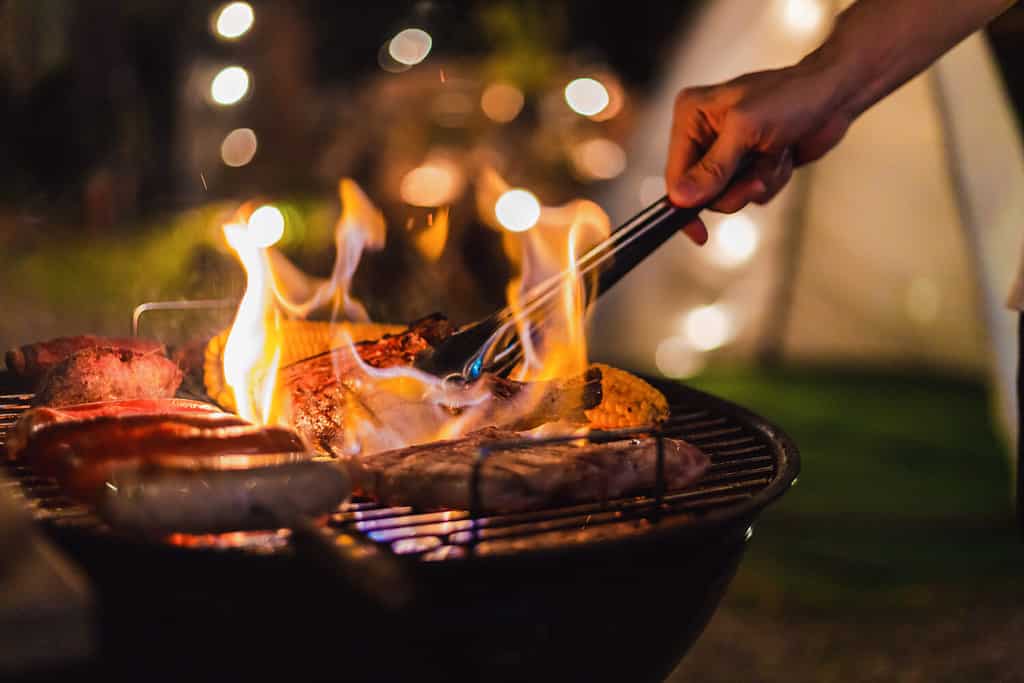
(491, 345)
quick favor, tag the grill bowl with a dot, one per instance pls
(614, 591)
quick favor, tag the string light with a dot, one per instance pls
(517, 210)
(433, 184)
(234, 20)
(652, 188)
(586, 96)
(266, 226)
(502, 102)
(239, 147)
(411, 46)
(230, 85)
(675, 357)
(734, 240)
(599, 159)
(708, 327)
(803, 16)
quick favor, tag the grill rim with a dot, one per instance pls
(660, 528)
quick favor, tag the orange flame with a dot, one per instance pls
(253, 347)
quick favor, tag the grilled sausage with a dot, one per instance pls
(163, 501)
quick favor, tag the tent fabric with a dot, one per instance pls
(898, 248)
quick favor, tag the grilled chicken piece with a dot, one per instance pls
(437, 475)
(33, 360)
(107, 374)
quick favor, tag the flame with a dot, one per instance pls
(391, 407)
(276, 287)
(253, 347)
(361, 226)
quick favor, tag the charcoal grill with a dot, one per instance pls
(617, 590)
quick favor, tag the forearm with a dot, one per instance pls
(878, 45)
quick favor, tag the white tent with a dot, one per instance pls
(897, 248)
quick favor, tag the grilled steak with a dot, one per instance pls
(107, 374)
(33, 360)
(437, 475)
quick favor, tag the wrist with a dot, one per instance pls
(840, 74)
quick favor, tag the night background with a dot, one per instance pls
(896, 557)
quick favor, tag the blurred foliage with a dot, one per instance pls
(903, 502)
(526, 40)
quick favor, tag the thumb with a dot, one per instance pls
(708, 178)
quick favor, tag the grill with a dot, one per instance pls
(506, 597)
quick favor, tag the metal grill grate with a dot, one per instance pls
(747, 459)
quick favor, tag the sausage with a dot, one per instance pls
(90, 417)
(163, 501)
(80, 455)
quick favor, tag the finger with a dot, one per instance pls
(749, 185)
(689, 137)
(707, 178)
(696, 231)
(778, 180)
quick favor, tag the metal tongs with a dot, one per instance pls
(492, 345)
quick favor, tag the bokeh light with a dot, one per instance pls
(586, 96)
(239, 147)
(734, 240)
(708, 327)
(433, 184)
(230, 85)
(234, 20)
(598, 159)
(411, 46)
(652, 188)
(502, 102)
(675, 357)
(803, 16)
(266, 226)
(517, 210)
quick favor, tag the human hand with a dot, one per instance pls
(767, 123)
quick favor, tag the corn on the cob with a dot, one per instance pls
(626, 401)
(299, 339)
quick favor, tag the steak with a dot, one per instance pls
(33, 360)
(437, 475)
(108, 374)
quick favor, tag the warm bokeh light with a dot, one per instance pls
(923, 300)
(517, 210)
(586, 96)
(803, 16)
(266, 226)
(708, 327)
(502, 102)
(433, 184)
(599, 159)
(652, 188)
(234, 20)
(229, 85)
(675, 357)
(734, 240)
(238, 148)
(411, 46)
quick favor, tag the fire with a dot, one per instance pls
(399, 406)
(253, 348)
(275, 287)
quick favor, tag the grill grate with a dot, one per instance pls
(745, 463)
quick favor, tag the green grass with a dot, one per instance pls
(903, 500)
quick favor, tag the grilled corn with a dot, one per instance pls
(299, 339)
(626, 401)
